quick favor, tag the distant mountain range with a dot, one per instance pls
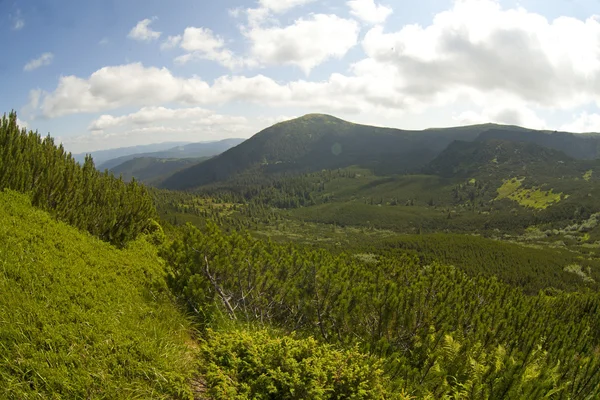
(151, 170)
(315, 141)
(102, 156)
(190, 150)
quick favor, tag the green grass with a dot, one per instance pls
(80, 319)
(535, 198)
(588, 175)
(508, 188)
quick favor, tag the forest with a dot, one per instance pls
(470, 274)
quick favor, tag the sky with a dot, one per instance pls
(113, 73)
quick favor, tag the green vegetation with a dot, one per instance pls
(241, 364)
(81, 319)
(79, 195)
(509, 187)
(533, 198)
(438, 332)
(320, 259)
(315, 142)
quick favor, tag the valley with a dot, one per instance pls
(317, 259)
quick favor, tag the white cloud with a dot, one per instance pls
(267, 9)
(479, 48)
(201, 39)
(151, 116)
(306, 44)
(143, 32)
(475, 53)
(584, 123)
(171, 42)
(154, 124)
(135, 85)
(103, 42)
(41, 61)
(281, 6)
(369, 11)
(22, 124)
(503, 115)
(118, 86)
(202, 43)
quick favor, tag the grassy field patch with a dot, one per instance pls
(533, 198)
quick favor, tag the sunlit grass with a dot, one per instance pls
(532, 198)
(82, 319)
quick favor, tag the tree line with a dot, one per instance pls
(79, 195)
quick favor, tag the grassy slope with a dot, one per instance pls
(81, 319)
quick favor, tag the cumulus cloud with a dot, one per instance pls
(135, 85)
(41, 61)
(202, 43)
(480, 47)
(118, 86)
(171, 42)
(153, 115)
(281, 6)
(143, 32)
(306, 43)
(475, 53)
(369, 11)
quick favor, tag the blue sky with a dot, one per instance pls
(105, 74)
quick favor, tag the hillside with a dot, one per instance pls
(315, 142)
(461, 160)
(72, 192)
(81, 319)
(580, 146)
(150, 170)
(191, 150)
(298, 279)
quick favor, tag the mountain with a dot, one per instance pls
(102, 156)
(463, 159)
(315, 141)
(150, 170)
(191, 150)
(580, 146)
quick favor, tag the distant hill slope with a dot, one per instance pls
(82, 319)
(191, 150)
(580, 146)
(102, 156)
(150, 170)
(317, 141)
(463, 159)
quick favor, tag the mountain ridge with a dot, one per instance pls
(320, 141)
(189, 150)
